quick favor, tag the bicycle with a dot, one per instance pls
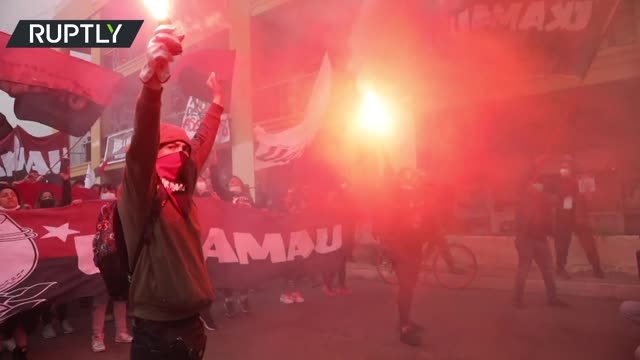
(453, 265)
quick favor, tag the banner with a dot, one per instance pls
(55, 89)
(47, 254)
(448, 52)
(551, 36)
(195, 112)
(21, 152)
(117, 144)
(283, 147)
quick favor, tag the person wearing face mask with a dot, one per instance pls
(107, 192)
(402, 226)
(533, 221)
(572, 217)
(203, 189)
(110, 269)
(20, 325)
(47, 200)
(170, 282)
(9, 198)
(235, 193)
(238, 193)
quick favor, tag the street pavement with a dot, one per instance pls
(474, 324)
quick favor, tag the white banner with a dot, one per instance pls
(281, 148)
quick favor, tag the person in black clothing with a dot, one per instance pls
(236, 192)
(403, 225)
(340, 201)
(47, 200)
(533, 221)
(567, 223)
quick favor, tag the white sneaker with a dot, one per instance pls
(286, 299)
(48, 332)
(10, 345)
(97, 343)
(297, 297)
(66, 327)
(124, 338)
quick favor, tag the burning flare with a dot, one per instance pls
(374, 114)
(158, 8)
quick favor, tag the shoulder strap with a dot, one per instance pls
(158, 202)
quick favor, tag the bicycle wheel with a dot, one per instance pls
(385, 269)
(456, 271)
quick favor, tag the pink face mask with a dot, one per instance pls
(169, 167)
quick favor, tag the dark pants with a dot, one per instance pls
(115, 277)
(342, 276)
(47, 313)
(173, 340)
(537, 250)
(228, 293)
(564, 230)
(407, 271)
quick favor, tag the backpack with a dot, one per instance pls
(110, 250)
(104, 241)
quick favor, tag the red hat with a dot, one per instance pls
(170, 133)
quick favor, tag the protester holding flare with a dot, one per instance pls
(170, 283)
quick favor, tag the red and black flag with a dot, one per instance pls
(55, 89)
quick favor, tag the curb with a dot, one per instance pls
(607, 289)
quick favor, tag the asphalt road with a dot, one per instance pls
(461, 325)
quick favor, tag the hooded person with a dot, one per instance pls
(170, 282)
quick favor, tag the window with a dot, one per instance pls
(80, 152)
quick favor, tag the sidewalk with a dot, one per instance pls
(497, 263)
(619, 286)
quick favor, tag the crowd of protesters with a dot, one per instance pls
(542, 213)
(165, 166)
(15, 330)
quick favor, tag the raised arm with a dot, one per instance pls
(205, 137)
(139, 183)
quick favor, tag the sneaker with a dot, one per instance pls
(230, 311)
(563, 274)
(97, 344)
(48, 332)
(244, 305)
(297, 297)
(557, 303)
(9, 345)
(327, 290)
(344, 291)
(66, 327)
(286, 299)
(208, 322)
(410, 337)
(124, 338)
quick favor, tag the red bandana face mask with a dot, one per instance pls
(177, 173)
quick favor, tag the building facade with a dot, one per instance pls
(279, 45)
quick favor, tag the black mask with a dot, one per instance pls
(47, 203)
